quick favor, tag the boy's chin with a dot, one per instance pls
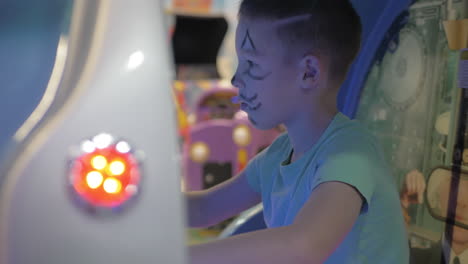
(261, 125)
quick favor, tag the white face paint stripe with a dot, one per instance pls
(290, 20)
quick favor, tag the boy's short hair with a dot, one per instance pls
(329, 27)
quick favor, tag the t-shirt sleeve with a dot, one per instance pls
(354, 165)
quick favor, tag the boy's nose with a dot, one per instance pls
(237, 82)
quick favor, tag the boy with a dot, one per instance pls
(328, 196)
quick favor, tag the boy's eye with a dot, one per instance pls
(253, 70)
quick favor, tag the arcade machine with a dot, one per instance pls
(90, 176)
(412, 99)
(197, 30)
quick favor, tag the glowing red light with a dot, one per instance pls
(105, 177)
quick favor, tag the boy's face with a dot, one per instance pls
(265, 81)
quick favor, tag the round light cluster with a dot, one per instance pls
(106, 174)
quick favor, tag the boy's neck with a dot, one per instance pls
(305, 132)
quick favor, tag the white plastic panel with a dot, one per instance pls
(120, 84)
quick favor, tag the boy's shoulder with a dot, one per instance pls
(351, 139)
(343, 135)
(342, 128)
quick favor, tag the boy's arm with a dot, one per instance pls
(211, 206)
(321, 225)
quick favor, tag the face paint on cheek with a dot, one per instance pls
(249, 99)
(258, 76)
(257, 106)
(252, 121)
(249, 102)
(249, 46)
(248, 43)
(249, 108)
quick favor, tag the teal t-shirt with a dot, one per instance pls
(348, 153)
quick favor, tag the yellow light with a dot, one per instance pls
(242, 156)
(242, 136)
(99, 162)
(199, 152)
(112, 185)
(94, 179)
(205, 85)
(117, 168)
(179, 86)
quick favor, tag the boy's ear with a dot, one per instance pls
(310, 73)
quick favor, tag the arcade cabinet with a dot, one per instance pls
(90, 175)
